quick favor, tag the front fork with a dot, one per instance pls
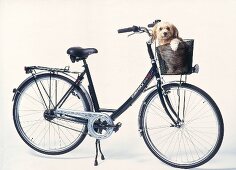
(167, 105)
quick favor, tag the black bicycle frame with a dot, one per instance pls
(153, 72)
(134, 96)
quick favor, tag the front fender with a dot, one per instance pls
(142, 108)
(147, 99)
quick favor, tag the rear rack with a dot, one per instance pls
(30, 69)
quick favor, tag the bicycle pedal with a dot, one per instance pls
(117, 127)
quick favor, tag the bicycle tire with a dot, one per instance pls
(198, 138)
(28, 114)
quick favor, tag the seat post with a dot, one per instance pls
(91, 87)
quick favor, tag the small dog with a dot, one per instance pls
(166, 33)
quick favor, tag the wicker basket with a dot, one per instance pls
(177, 62)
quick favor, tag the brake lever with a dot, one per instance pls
(131, 34)
(140, 32)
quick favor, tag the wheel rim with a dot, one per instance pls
(50, 137)
(196, 136)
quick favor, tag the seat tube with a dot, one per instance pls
(91, 87)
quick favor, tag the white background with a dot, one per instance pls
(38, 32)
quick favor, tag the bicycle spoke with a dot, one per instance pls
(35, 121)
(189, 143)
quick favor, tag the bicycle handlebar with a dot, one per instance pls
(134, 29)
(138, 29)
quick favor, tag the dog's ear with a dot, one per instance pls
(175, 31)
(154, 33)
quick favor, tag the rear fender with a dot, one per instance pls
(80, 86)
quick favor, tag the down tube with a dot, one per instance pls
(134, 96)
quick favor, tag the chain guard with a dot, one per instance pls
(100, 125)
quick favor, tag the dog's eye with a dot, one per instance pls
(160, 29)
(168, 28)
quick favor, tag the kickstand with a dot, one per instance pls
(98, 147)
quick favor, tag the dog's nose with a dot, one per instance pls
(165, 33)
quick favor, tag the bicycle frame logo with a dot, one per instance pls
(144, 83)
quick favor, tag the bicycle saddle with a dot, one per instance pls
(79, 53)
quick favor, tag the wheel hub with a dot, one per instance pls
(49, 115)
(179, 124)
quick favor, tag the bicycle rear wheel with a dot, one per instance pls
(199, 134)
(48, 135)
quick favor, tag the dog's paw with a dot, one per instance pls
(174, 44)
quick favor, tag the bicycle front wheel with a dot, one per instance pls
(46, 134)
(196, 138)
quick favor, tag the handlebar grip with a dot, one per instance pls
(129, 29)
(123, 30)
